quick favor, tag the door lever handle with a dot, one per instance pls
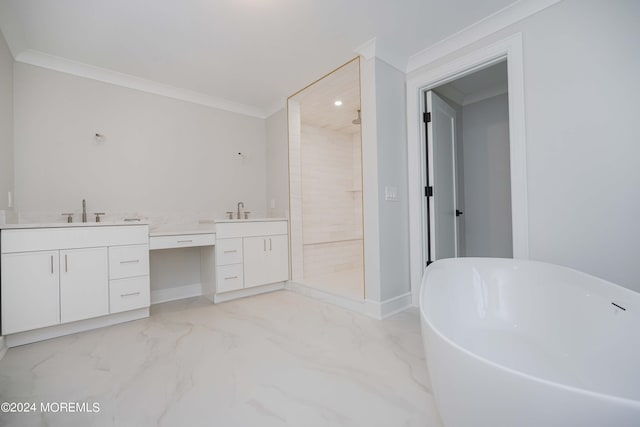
(459, 212)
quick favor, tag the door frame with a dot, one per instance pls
(509, 49)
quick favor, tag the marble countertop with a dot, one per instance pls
(202, 227)
(70, 224)
(251, 220)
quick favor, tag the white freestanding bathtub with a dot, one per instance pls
(521, 343)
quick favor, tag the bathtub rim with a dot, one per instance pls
(617, 399)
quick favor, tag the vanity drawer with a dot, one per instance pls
(228, 251)
(129, 294)
(182, 241)
(229, 278)
(128, 261)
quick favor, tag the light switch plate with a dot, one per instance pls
(391, 193)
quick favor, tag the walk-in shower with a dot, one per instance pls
(325, 184)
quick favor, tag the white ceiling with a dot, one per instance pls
(480, 81)
(250, 52)
(477, 86)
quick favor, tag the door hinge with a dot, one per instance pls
(426, 117)
(428, 191)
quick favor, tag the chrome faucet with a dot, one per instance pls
(240, 205)
(84, 210)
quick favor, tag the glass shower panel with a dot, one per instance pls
(325, 152)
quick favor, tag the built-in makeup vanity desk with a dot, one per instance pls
(238, 258)
(61, 278)
(176, 236)
(183, 236)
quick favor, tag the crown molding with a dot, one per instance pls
(11, 31)
(372, 49)
(367, 49)
(495, 22)
(275, 107)
(500, 89)
(452, 93)
(56, 63)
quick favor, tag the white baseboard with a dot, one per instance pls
(391, 306)
(172, 294)
(247, 292)
(28, 337)
(374, 309)
(3, 347)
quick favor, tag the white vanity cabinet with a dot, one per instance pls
(58, 276)
(30, 291)
(84, 284)
(250, 254)
(266, 260)
(229, 265)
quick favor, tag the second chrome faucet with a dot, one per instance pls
(240, 214)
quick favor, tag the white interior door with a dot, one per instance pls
(441, 172)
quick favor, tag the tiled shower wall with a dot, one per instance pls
(331, 200)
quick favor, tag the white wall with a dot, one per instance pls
(581, 68)
(392, 171)
(277, 164)
(6, 134)
(169, 160)
(161, 156)
(6, 122)
(487, 207)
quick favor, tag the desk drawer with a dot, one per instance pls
(128, 261)
(229, 278)
(129, 294)
(182, 241)
(228, 251)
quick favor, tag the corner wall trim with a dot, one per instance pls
(509, 15)
(80, 69)
(3, 347)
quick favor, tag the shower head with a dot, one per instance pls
(358, 120)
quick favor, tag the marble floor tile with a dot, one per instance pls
(347, 283)
(279, 359)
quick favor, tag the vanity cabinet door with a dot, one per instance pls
(266, 260)
(84, 284)
(30, 291)
(256, 261)
(278, 255)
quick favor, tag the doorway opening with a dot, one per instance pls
(466, 172)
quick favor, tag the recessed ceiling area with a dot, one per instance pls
(251, 52)
(317, 102)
